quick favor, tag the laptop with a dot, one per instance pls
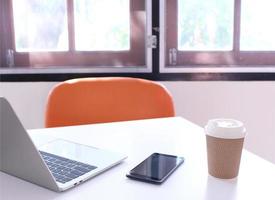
(58, 165)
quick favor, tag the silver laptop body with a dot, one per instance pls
(20, 157)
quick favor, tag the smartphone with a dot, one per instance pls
(156, 168)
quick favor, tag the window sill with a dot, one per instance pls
(72, 70)
(221, 69)
(49, 74)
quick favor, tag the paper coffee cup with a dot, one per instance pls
(224, 139)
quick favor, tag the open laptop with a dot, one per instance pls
(57, 165)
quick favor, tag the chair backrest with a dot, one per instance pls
(98, 100)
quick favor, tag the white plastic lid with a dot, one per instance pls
(225, 128)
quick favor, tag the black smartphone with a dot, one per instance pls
(156, 168)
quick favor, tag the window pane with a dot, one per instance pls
(102, 25)
(205, 25)
(257, 25)
(40, 25)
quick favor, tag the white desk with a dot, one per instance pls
(138, 139)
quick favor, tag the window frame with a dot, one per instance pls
(241, 61)
(82, 61)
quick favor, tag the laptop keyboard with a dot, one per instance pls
(63, 169)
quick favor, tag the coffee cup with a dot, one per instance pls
(224, 138)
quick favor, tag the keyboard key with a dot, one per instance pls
(61, 167)
(70, 165)
(91, 167)
(61, 180)
(57, 176)
(51, 168)
(62, 172)
(65, 179)
(52, 160)
(64, 163)
(57, 171)
(85, 165)
(66, 169)
(70, 175)
(57, 161)
(55, 165)
(82, 169)
(78, 173)
(48, 163)
(46, 158)
(72, 162)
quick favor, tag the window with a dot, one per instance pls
(154, 39)
(217, 33)
(40, 26)
(257, 31)
(205, 25)
(77, 32)
(92, 34)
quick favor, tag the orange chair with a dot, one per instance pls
(98, 100)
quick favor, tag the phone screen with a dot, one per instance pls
(156, 167)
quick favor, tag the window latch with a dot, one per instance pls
(173, 56)
(156, 29)
(152, 41)
(10, 58)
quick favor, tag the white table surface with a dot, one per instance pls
(138, 139)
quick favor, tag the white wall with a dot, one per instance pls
(251, 102)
